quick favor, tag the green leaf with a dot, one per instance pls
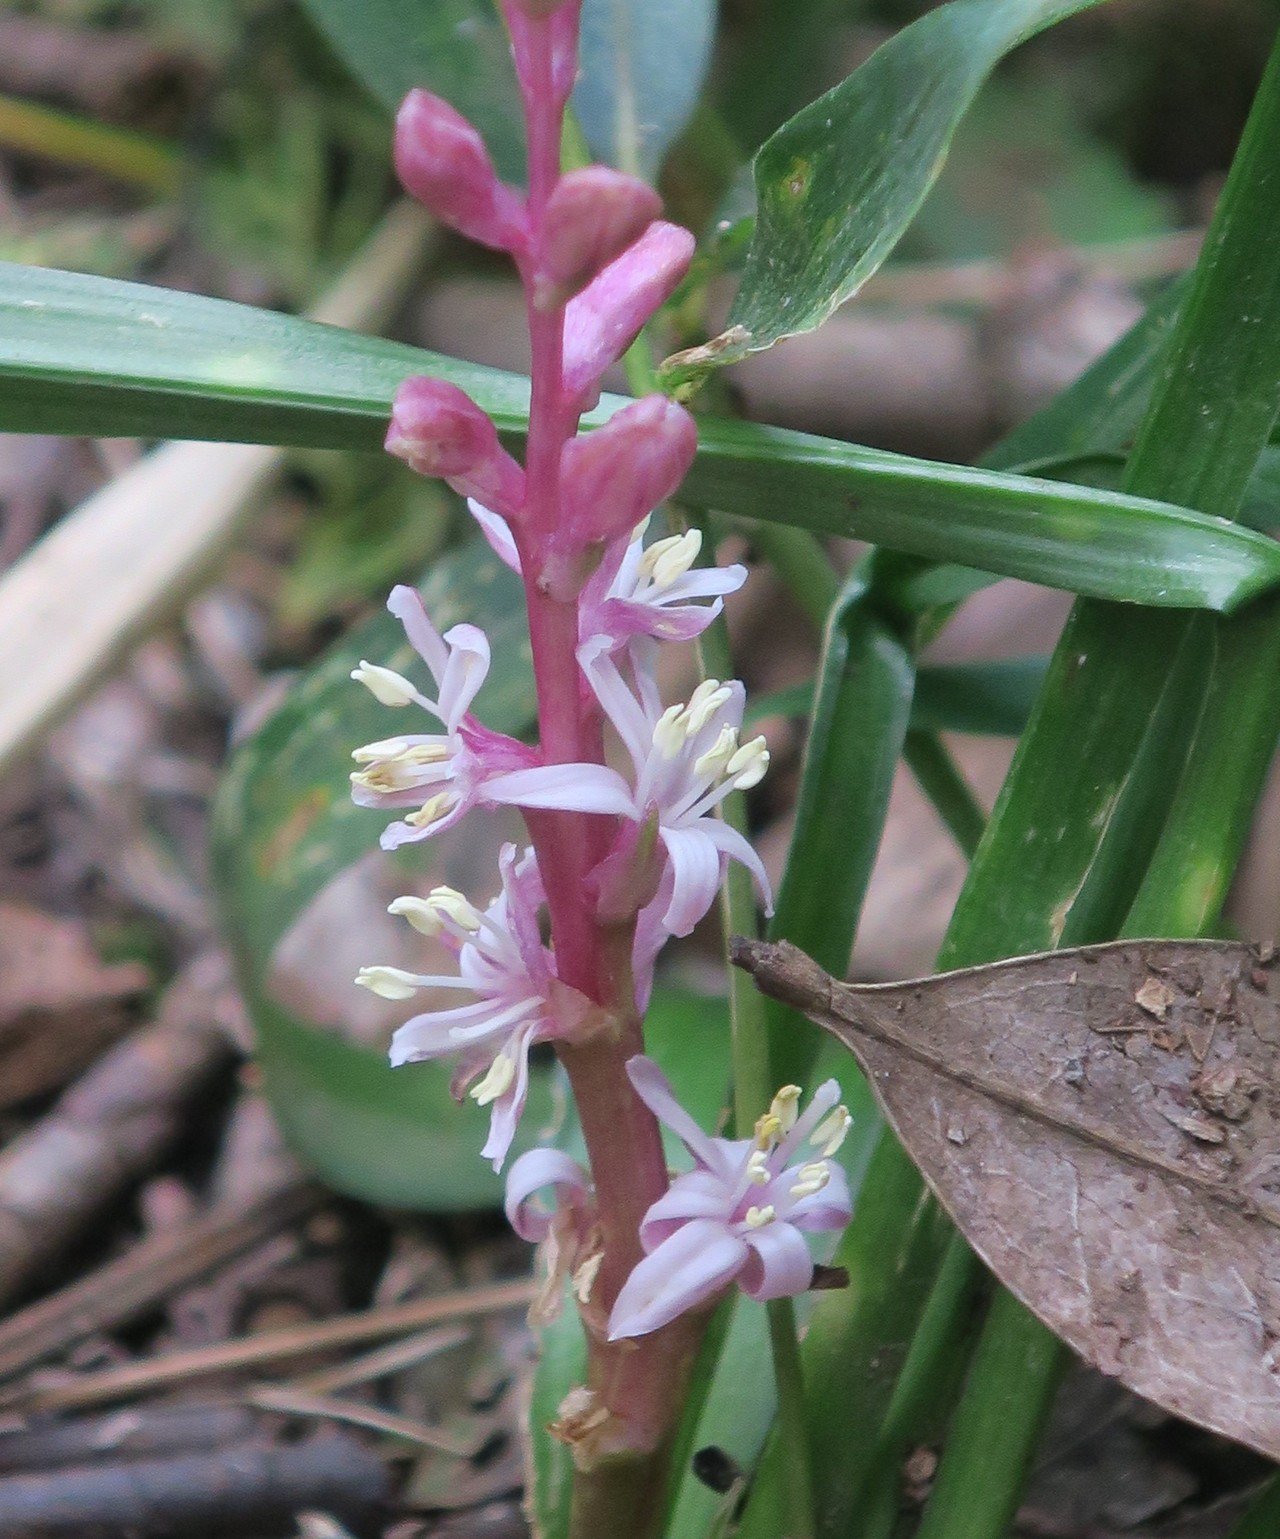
(456, 48)
(642, 64)
(838, 184)
(1212, 413)
(284, 827)
(203, 368)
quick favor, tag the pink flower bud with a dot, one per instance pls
(441, 160)
(603, 321)
(617, 474)
(438, 430)
(593, 215)
(537, 10)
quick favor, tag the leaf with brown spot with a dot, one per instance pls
(1118, 1169)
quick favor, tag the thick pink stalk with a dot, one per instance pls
(639, 1383)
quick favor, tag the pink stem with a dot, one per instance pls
(622, 1137)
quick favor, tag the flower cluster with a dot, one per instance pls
(636, 853)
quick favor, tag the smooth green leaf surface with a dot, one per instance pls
(987, 699)
(1212, 413)
(838, 184)
(203, 368)
(641, 67)
(456, 48)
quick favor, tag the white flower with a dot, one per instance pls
(687, 759)
(443, 774)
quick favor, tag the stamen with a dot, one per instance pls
(768, 1130)
(451, 903)
(667, 560)
(757, 1218)
(758, 1168)
(784, 1106)
(748, 765)
(811, 1179)
(386, 685)
(496, 1083)
(431, 811)
(668, 732)
(830, 1133)
(388, 982)
(722, 751)
(709, 697)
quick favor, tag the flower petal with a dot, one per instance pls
(562, 787)
(779, 1266)
(466, 671)
(687, 1270)
(654, 1089)
(532, 1172)
(407, 606)
(698, 1194)
(732, 843)
(505, 1116)
(695, 870)
(498, 533)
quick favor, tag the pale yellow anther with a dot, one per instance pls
(667, 560)
(785, 1106)
(831, 1131)
(431, 811)
(499, 1079)
(712, 763)
(758, 1168)
(710, 697)
(768, 1130)
(451, 903)
(811, 1179)
(388, 748)
(584, 1278)
(757, 1218)
(384, 684)
(668, 732)
(747, 767)
(388, 982)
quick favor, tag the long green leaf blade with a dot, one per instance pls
(204, 368)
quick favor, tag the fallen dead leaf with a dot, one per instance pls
(60, 1004)
(1131, 1200)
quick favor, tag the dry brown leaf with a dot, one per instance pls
(1117, 1168)
(59, 1003)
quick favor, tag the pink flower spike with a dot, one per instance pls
(438, 430)
(442, 162)
(603, 321)
(741, 1213)
(517, 998)
(533, 1172)
(687, 759)
(617, 474)
(593, 215)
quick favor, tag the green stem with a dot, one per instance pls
(792, 1430)
(85, 145)
(752, 1092)
(941, 781)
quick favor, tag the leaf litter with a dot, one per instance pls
(1103, 1125)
